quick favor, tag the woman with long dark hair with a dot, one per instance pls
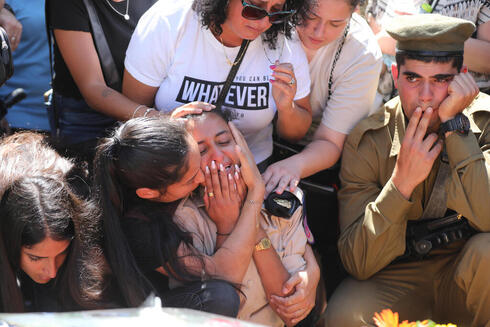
(194, 44)
(49, 258)
(142, 173)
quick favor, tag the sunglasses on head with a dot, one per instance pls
(253, 12)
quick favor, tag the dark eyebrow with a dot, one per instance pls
(217, 134)
(338, 20)
(411, 74)
(221, 133)
(443, 76)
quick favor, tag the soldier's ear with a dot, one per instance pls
(394, 73)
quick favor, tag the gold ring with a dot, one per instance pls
(210, 194)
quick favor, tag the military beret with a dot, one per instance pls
(430, 34)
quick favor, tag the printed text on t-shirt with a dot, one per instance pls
(248, 96)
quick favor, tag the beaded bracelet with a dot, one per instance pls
(148, 110)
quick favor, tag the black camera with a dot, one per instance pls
(284, 205)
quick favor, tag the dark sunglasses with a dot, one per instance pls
(253, 12)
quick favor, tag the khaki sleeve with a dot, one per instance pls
(288, 238)
(295, 243)
(372, 216)
(469, 187)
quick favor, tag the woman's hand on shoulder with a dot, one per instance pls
(250, 173)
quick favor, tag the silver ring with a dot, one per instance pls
(292, 81)
(13, 38)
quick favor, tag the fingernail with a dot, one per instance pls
(418, 109)
(272, 78)
(429, 110)
(212, 106)
(221, 168)
(236, 175)
(237, 168)
(230, 177)
(272, 66)
(207, 170)
(213, 165)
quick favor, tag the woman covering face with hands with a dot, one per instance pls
(280, 282)
(145, 172)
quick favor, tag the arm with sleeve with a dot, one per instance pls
(469, 159)
(372, 216)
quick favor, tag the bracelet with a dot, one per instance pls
(136, 110)
(223, 234)
(148, 110)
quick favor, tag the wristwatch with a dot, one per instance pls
(264, 244)
(460, 123)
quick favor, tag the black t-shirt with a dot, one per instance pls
(72, 15)
(39, 297)
(142, 239)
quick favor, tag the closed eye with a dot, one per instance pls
(203, 150)
(34, 258)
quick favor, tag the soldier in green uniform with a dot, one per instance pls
(423, 158)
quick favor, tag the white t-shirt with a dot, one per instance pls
(355, 78)
(171, 50)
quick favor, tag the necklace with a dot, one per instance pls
(280, 55)
(126, 16)
(228, 61)
(335, 59)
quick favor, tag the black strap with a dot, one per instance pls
(437, 206)
(111, 75)
(335, 59)
(54, 111)
(232, 73)
(434, 4)
(50, 38)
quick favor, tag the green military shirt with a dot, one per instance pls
(373, 213)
